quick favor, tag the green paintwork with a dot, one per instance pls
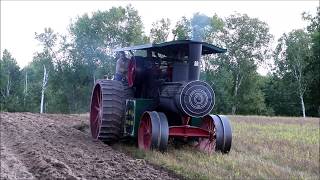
(134, 110)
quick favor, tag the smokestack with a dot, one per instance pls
(195, 50)
(198, 22)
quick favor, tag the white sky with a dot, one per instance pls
(21, 19)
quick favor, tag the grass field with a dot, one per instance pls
(262, 148)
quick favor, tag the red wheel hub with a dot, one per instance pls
(208, 144)
(145, 133)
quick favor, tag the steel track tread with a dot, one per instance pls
(113, 110)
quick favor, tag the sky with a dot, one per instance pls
(21, 19)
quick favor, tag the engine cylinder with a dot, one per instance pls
(194, 98)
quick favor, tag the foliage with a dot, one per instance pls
(291, 56)
(182, 29)
(77, 59)
(95, 36)
(160, 30)
(247, 41)
(313, 73)
(10, 78)
(279, 95)
(297, 78)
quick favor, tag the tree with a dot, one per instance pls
(313, 73)
(44, 85)
(282, 89)
(25, 90)
(33, 79)
(10, 78)
(89, 55)
(182, 29)
(280, 95)
(214, 31)
(95, 37)
(47, 39)
(247, 40)
(291, 56)
(160, 30)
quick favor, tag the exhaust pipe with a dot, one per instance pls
(195, 50)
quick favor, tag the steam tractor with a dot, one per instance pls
(161, 100)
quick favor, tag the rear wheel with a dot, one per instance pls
(107, 110)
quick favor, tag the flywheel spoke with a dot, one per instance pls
(207, 144)
(97, 118)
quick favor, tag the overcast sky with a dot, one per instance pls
(21, 19)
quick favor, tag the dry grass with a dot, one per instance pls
(263, 148)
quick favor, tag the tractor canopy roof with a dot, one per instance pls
(173, 47)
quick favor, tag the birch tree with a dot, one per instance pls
(313, 93)
(25, 91)
(247, 41)
(291, 56)
(44, 85)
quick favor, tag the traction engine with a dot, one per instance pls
(162, 99)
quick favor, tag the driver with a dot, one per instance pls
(122, 68)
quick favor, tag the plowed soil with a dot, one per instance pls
(48, 146)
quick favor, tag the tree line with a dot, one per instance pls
(74, 61)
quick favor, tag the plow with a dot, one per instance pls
(160, 99)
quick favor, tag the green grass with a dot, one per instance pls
(262, 148)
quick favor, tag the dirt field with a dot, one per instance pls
(48, 146)
(35, 146)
